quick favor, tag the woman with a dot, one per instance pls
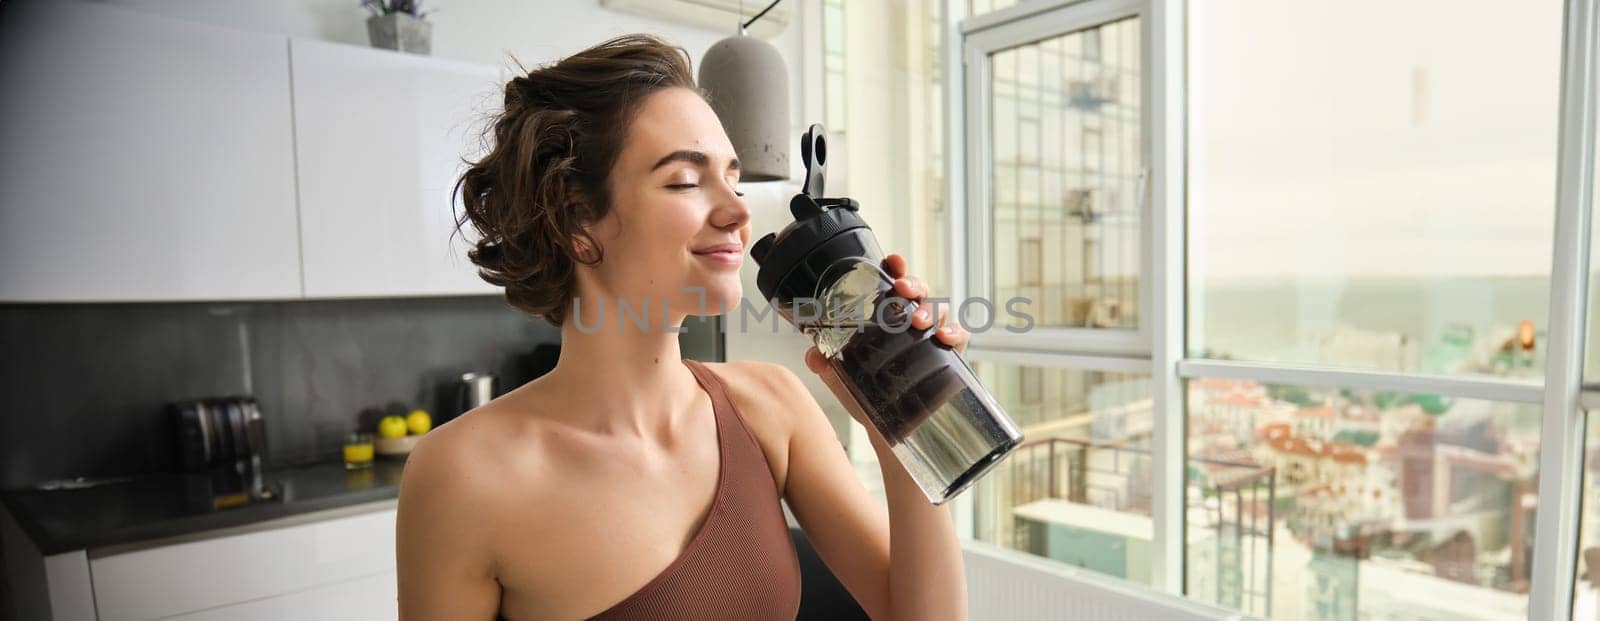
(626, 482)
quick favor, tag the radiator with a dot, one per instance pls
(1005, 585)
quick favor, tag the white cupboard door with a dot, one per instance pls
(381, 138)
(145, 158)
(193, 576)
(373, 597)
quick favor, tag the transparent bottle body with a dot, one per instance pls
(920, 395)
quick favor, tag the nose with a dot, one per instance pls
(731, 213)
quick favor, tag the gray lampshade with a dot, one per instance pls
(748, 85)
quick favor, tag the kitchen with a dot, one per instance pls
(1275, 360)
(248, 266)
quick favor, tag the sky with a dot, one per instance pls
(1365, 137)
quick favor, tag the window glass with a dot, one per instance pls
(1586, 584)
(979, 7)
(1371, 188)
(1065, 125)
(1326, 503)
(1078, 490)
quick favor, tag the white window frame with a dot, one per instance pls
(1004, 29)
(1555, 539)
(1159, 345)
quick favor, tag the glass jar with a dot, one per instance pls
(357, 451)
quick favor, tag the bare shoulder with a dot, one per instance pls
(456, 454)
(759, 378)
(766, 390)
(449, 469)
(462, 468)
(446, 547)
(772, 401)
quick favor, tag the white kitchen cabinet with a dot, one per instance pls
(145, 158)
(292, 569)
(380, 138)
(371, 597)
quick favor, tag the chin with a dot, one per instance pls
(722, 297)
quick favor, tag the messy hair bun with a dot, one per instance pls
(545, 176)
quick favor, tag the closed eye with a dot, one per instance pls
(686, 186)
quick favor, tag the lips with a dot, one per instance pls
(725, 254)
(728, 247)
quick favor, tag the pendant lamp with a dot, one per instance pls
(747, 83)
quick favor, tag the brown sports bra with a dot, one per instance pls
(741, 564)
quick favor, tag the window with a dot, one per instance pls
(1032, 264)
(1586, 583)
(1031, 386)
(1078, 490)
(1066, 121)
(1592, 350)
(1365, 199)
(1373, 189)
(1311, 502)
(979, 7)
(1055, 152)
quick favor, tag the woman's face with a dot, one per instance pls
(677, 229)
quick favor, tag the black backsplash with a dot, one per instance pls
(84, 387)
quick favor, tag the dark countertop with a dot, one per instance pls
(160, 506)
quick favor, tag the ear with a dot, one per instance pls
(584, 248)
(587, 247)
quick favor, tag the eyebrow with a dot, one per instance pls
(697, 158)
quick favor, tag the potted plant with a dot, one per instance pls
(399, 25)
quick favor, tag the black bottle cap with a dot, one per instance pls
(817, 220)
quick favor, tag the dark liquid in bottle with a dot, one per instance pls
(922, 398)
(901, 377)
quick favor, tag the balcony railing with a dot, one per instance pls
(1231, 504)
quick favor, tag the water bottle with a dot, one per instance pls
(823, 273)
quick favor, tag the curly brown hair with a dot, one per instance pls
(546, 175)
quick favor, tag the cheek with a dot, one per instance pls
(671, 227)
(685, 220)
(655, 242)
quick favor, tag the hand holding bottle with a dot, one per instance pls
(913, 289)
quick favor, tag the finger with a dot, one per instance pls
(910, 288)
(895, 265)
(815, 361)
(955, 336)
(929, 314)
(819, 365)
(922, 318)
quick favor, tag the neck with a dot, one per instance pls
(627, 379)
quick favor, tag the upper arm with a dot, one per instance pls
(444, 563)
(848, 528)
